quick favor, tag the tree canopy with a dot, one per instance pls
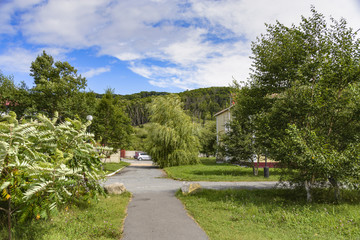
(13, 97)
(45, 166)
(57, 86)
(302, 101)
(171, 139)
(201, 104)
(111, 125)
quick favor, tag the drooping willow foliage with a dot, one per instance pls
(45, 165)
(171, 140)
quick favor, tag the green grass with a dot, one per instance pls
(209, 170)
(274, 214)
(112, 167)
(103, 220)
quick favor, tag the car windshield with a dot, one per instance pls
(144, 154)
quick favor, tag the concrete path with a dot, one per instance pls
(155, 212)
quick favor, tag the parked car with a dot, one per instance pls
(143, 156)
(136, 155)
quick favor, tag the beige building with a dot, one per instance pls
(223, 118)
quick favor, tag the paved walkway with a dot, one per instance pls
(155, 212)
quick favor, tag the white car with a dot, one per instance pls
(143, 156)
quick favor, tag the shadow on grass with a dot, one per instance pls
(25, 231)
(274, 214)
(32, 229)
(277, 197)
(235, 172)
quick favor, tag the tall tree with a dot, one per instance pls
(137, 110)
(207, 138)
(13, 97)
(243, 143)
(138, 138)
(57, 85)
(307, 80)
(111, 125)
(171, 136)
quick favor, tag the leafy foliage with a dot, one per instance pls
(136, 105)
(203, 103)
(302, 104)
(13, 97)
(138, 138)
(44, 165)
(111, 125)
(207, 138)
(58, 88)
(137, 110)
(171, 137)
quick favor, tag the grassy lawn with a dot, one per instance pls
(209, 170)
(273, 214)
(112, 167)
(97, 221)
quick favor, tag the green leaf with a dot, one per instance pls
(4, 185)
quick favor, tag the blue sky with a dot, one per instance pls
(148, 45)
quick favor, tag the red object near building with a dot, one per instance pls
(122, 153)
(269, 164)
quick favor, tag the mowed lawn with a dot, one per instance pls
(274, 214)
(112, 166)
(209, 170)
(103, 220)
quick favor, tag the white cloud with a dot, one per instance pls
(190, 51)
(96, 71)
(5, 17)
(174, 33)
(18, 59)
(7, 9)
(64, 23)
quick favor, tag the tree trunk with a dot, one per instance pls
(9, 218)
(308, 193)
(336, 187)
(255, 173)
(255, 169)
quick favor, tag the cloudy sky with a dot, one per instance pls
(148, 45)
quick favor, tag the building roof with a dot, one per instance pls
(222, 111)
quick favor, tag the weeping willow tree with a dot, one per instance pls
(171, 139)
(44, 166)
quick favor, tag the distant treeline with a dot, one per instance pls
(201, 104)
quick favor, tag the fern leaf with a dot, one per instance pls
(66, 191)
(4, 185)
(37, 188)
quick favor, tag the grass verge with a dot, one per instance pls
(112, 167)
(102, 220)
(274, 214)
(209, 170)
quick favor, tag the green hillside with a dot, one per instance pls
(201, 104)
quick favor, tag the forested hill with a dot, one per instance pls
(200, 103)
(142, 94)
(203, 103)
